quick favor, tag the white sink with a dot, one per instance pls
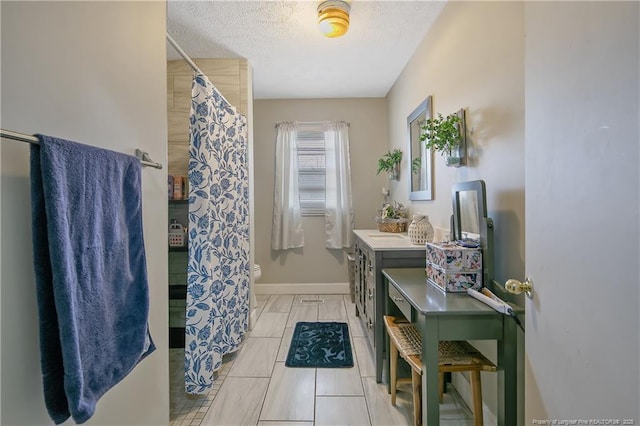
(385, 236)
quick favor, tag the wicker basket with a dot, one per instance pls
(392, 226)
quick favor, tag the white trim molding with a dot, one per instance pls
(301, 288)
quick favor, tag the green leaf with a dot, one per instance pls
(441, 133)
(389, 160)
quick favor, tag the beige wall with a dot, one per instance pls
(368, 141)
(93, 72)
(473, 58)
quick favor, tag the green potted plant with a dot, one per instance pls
(390, 163)
(447, 136)
(392, 217)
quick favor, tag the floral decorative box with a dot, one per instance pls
(453, 281)
(454, 268)
(451, 257)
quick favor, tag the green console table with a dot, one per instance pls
(455, 316)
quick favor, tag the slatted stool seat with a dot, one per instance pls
(405, 340)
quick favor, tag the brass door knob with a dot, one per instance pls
(517, 287)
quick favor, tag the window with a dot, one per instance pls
(316, 155)
(311, 169)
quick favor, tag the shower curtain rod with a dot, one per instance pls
(314, 123)
(184, 55)
(21, 137)
(190, 62)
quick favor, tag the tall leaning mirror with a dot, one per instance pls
(419, 156)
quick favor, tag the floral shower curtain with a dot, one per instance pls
(217, 309)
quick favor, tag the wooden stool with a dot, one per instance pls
(405, 340)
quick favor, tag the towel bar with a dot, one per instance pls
(21, 137)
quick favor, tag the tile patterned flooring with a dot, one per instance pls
(253, 387)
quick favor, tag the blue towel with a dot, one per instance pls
(90, 267)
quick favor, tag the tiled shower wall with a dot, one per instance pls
(178, 268)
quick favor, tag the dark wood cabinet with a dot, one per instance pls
(374, 251)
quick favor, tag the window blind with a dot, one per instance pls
(311, 169)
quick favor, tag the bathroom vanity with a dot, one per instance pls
(375, 250)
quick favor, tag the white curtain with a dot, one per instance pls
(339, 210)
(217, 311)
(287, 230)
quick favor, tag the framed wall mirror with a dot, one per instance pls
(419, 156)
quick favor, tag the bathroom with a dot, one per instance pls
(96, 72)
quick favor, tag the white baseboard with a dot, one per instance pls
(464, 390)
(302, 288)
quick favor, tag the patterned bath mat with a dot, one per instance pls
(321, 345)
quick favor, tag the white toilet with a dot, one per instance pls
(257, 272)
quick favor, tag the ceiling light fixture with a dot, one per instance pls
(333, 18)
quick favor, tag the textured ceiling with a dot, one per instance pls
(289, 56)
